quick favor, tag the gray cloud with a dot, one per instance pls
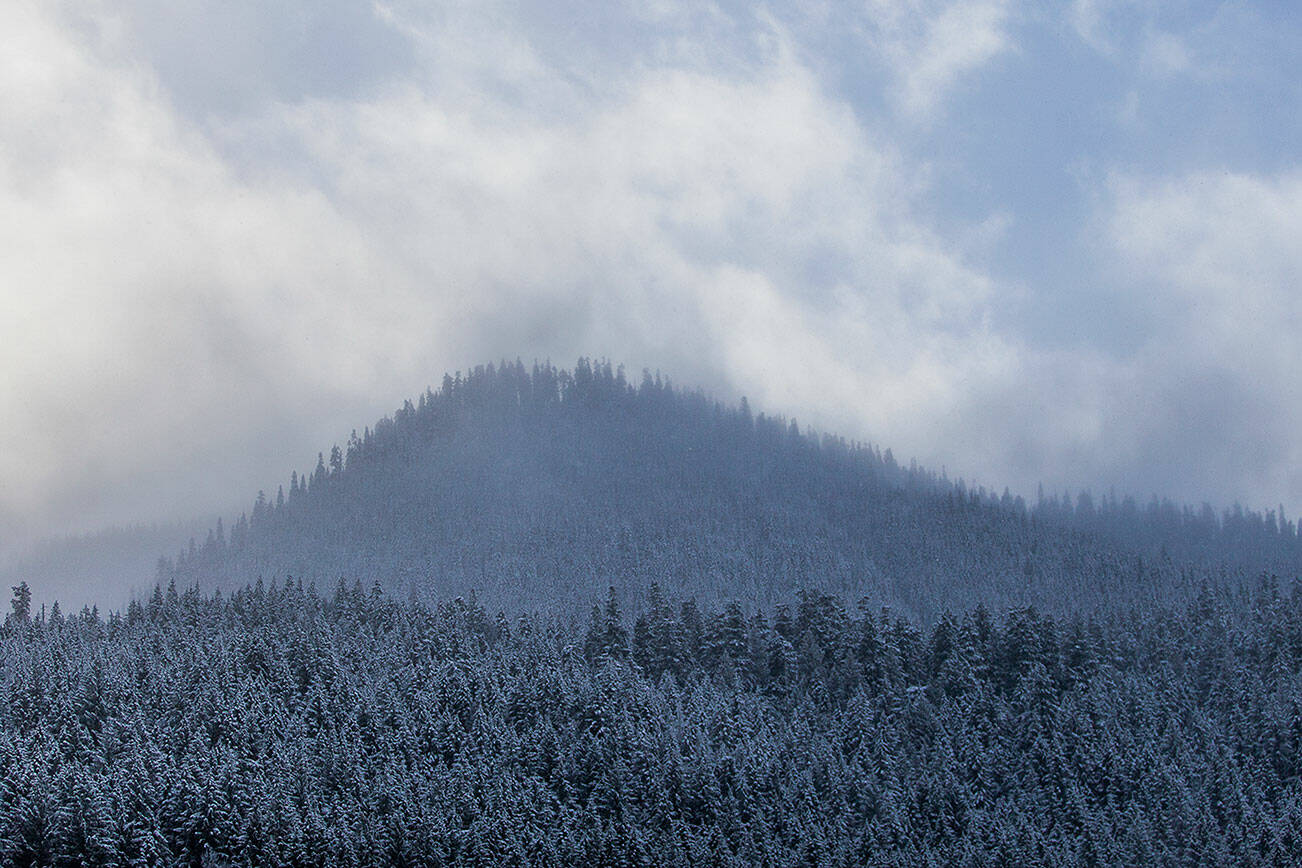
(227, 57)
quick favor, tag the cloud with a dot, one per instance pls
(212, 273)
(1207, 41)
(1209, 402)
(1219, 248)
(932, 47)
(1166, 55)
(1089, 20)
(154, 299)
(1202, 268)
(198, 285)
(225, 57)
(688, 221)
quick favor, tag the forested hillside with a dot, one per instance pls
(539, 488)
(279, 726)
(557, 618)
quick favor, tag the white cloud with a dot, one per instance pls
(1208, 42)
(1089, 19)
(690, 220)
(194, 287)
(1167, 54)
(1220, 251)
(195, 301)
(1215, 256)
(1204, 269)
(152, 299)
(933, 47)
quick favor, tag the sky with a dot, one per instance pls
(1029, 243)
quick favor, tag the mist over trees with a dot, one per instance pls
(538, 488)
(104, 568)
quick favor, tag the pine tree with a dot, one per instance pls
(21, 603)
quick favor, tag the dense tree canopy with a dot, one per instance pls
(276, 726)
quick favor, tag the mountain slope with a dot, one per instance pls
(537, 489)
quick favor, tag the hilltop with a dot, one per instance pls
(539, 488)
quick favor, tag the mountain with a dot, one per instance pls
(536, 489)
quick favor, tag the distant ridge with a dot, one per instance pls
(536, 488)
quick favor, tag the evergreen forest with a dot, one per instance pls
(561, 617)
(280, 726)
